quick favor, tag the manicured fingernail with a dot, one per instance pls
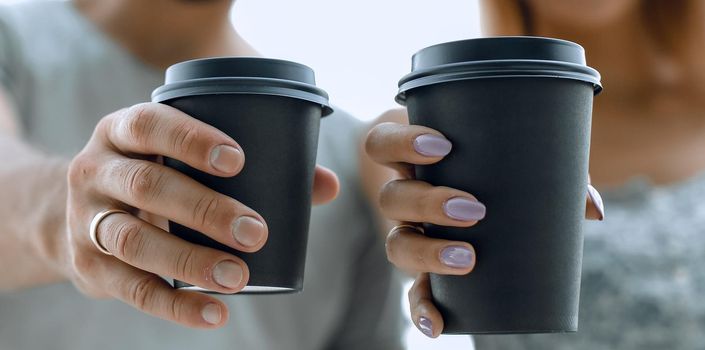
(227, 274)
(464, 209)
(457, 256)
(248, 231)
(430, 145)
(597, 200)
(225, 158)
(426, 326)
(211, 313)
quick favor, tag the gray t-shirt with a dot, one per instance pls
(63, 75)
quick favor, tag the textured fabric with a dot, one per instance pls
(63, 76)
(643, 280)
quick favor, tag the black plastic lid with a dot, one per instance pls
(242, 75)
(509, 56)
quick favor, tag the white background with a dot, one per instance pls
(359, 50)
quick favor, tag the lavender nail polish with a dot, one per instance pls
(457, 257)
(426, 326)
(597, 200)
(464, 209)
(430, 145)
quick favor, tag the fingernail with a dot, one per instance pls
(430, 145)
(248, 231)
(464, 209)
(457, 256)
(596, 200)
(211, 313)
(225, 158)
(426, 326)
(227, 274)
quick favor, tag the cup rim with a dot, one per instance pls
(183, 80)
(492, 69)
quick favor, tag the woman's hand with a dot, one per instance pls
(405, 200)
(119, 169)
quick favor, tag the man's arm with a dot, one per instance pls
(32, 208)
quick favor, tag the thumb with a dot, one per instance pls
(325, 185)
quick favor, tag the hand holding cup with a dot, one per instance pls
(410, 202)
(119, 168)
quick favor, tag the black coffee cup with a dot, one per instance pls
(272, 108)
(518, 113)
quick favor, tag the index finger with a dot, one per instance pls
(392, 143)
(157, 129)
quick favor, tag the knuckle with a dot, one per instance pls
(376, 138)
(128, 241)
(207, 210)
(142, 292)
(371, 141)
(176, 305)
(142, 181)
(105, 123)
(400, 250)
(111, 124)
(185, 138)
(139, 122)
(387, 194)
(184, 263)
(82, 168)
(391, 244)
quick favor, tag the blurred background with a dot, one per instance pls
(359, 51)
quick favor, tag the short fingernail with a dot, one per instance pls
(211, 313)
(426, 326)
(596, 200)
(430, 145)
(464, 209)
(225, 158)
(248, 231)
(227, 274)
(457, 257)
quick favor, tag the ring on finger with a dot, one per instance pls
(94, 227)
(418, 229)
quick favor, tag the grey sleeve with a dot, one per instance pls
(373, 318)
(11, 66)
(6, 50)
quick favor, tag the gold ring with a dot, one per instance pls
(94, 227)
(418, 229)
